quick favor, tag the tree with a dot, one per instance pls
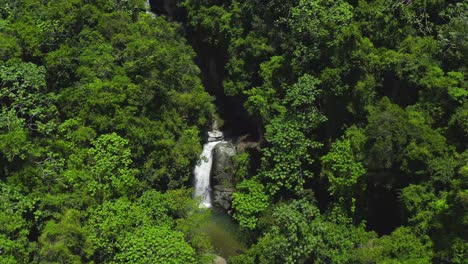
(14, 140)
(343, 171)
(124, 231)
(111, 175)
(287, 160)
(249, 201)
(15, 227)
(64, 241)
(402, 246)
(23, 89)
(299, 234)
(9, 48)
(154, 244)
(110, 223)
(317, 26)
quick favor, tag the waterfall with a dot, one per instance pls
(148, 8)
(203, 169)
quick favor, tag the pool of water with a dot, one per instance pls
(224, 234)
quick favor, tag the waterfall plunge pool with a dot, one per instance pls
(224, 235)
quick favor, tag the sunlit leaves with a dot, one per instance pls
(287, 161)
(154, 244)
(23, 89)
(110, 169)
(14, 140)
(65, 241)
(402, 246)
(14, 227)
(342, 168)
(249, 200)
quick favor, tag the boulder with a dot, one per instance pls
(222, 175)
(222, 197)
(215, 135)
(219, 260)
(222, 168)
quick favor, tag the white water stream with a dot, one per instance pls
(203, 169)
(148, 9)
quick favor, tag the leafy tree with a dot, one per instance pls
(402, 246)
(249, 201)
(154, 244)
(65, 241)
(9, 48)
(14, 138)
(122, 231)
(298, 234)
(15, 225)
(316, 25)
(23, 89)
(343, 171)
(111, 175)
(286, 161)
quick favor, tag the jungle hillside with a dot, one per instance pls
(325, 131)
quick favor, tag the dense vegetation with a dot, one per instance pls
(361, 109)
(101, 111)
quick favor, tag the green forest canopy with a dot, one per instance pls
(362, 108)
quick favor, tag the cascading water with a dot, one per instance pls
(148, 9)
(203, 169)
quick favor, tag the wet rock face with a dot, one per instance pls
(222, 175)
(222, 197)
(219, 260)
(222, 170)
(164, 7)
(215, 135)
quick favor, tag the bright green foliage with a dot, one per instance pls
(423, 206)
(99, 101)
(249, 201)
(159, 206)
(23, 89)
(344, 171)
(154, 244)
(102, 112)
(213, 19)
(65, 241)
(241, 165)
(14, 137)
(111, 175)
(9, 47)
(298, 234)
(402, 246)
(261, 101)
(123, 231)
(138, 81)
(317, 25)
(287, 160)
(14, 227)
(451, 84)
(289, 240)
(341, 168)
(108, 223)
(320, 18)
(383, 89)
(293, 231)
